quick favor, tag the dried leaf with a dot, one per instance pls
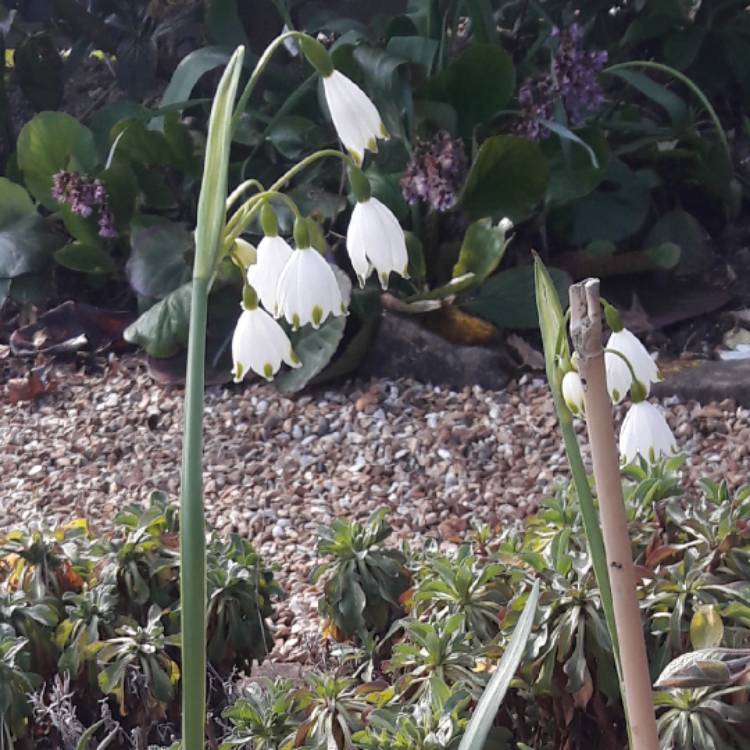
(529, 356)
(29, 388)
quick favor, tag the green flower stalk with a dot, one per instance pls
(208, 237)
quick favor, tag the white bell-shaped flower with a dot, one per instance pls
(354, 116)
(260, 344)
(308, 291)
(572, 391)
(375, 239)
(273, 253)
(645, 433)
(619, 378)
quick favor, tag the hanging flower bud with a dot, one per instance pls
(259, 343)
(374, 238)
(354, 116)
(645, 433)
(307, 290)
(273, 254)
(572, 391)
(619, 377)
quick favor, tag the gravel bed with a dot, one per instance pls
(276, 467)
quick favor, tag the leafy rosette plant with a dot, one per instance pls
(365, 582)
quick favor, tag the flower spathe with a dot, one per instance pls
(619, 378)
(273, 253)
(572, 391)
(260, 344)
(645, 433)
(308, 291)
(354, 116)
(375, 240)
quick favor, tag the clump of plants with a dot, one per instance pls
(464, 603)
(90, 632)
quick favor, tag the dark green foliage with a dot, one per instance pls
(365, 581)
(102, 614)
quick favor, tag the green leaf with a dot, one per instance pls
(224, 23)
(706, 627)
(492, 698)
(163, 329)
(211, 202)
(51, 142)
(420, 50)
(158, 259)
(104, 119)
(577, 167)
(551, 319)
(665, 98)
(616, 210)
(682, 229)
(315, 349)
(507, 299)
(190, 70)
(85, 258)
(481, 251)
(26, 240)
(292, 135)
(508, 178)
(478, 83)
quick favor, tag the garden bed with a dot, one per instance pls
(277, 467)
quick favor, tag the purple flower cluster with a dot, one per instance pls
(573, 80)
(435, 172)
(85, 195)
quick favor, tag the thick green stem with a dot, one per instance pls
(590, 520)
(192, 530)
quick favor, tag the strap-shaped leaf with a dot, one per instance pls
(492, 698)
(211, 204)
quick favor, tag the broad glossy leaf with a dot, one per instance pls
(481, 251)
(508, 178)
(315, 349)
(51, 142)
(26, 240)
(616, 210)
(158, 262)
(478, 83)
(507, 299)
(163, 329)
(85, 258)
(685, 231)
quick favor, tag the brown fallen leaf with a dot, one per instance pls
(452, 528)
(29, 388)
(528, 356)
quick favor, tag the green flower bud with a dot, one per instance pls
(316, 54)
(301, 233)
(359, 183)
(268, 221)
(243, 254)
(638, 392)
(249, 297)
(612, 316)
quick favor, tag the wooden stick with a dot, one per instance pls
(586, 333)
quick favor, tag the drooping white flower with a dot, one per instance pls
(260, 344)
(354, 116)
(273, 254)
(645, 433)
(308, 291)
(572, 391)
(619, 378)
(375, 239)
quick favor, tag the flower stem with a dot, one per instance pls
(192, 530)
(260, 66)
(586, 332)
(307, 161)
